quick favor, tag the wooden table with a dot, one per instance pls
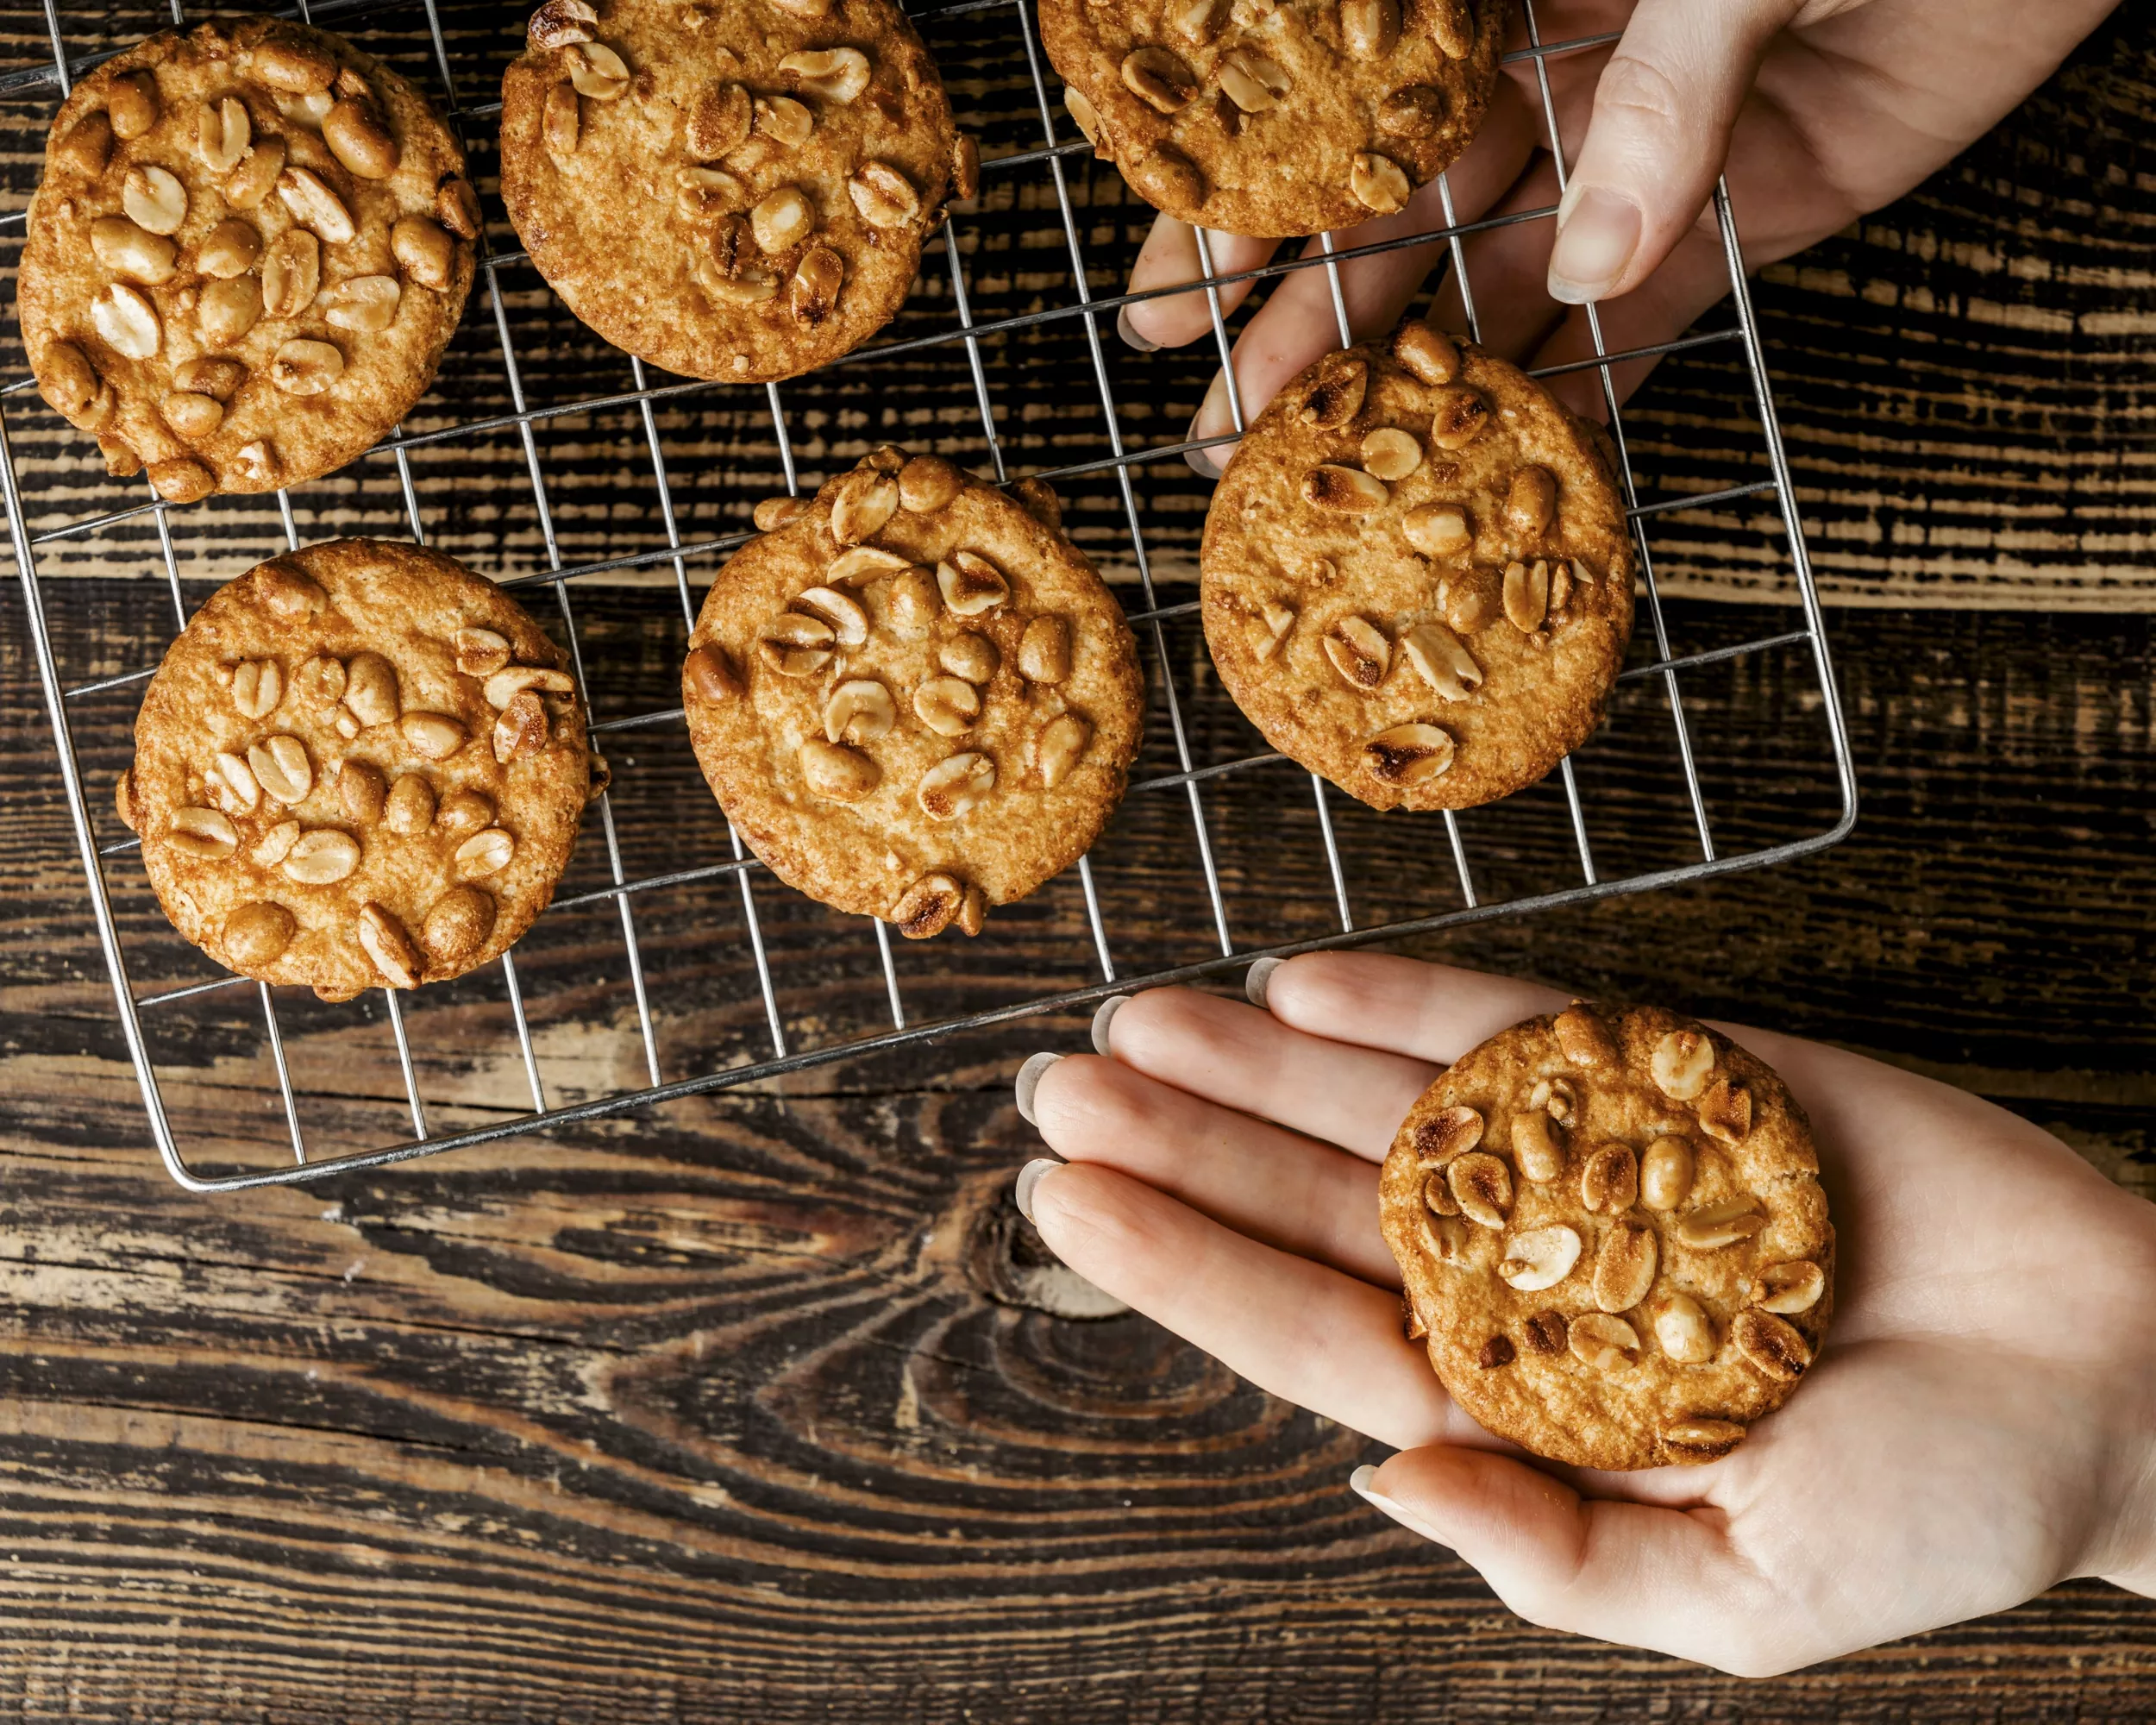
(769, 1407)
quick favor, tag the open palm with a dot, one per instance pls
(1978, 1425)
(1819, 110)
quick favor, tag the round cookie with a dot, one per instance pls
(1610, 1224)
(1275, 117)
(914, 699)
(734, 192)
(1417, 574)
(250, 247)
(359, 766)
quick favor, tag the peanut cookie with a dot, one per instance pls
(1610, 1224)
(736, 191)
(359, 766)
(1418, 575)
(1275, 117)
(912, 696)
(250, 247)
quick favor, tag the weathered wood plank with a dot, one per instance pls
(679, 1416)
(766, 1406)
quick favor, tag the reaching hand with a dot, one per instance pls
(1980, 1424)
(1818, 110)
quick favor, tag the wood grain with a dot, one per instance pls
(766, 1405)
(764, 1401)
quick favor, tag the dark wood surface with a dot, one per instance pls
(767, 1406)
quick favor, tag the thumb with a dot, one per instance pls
(1663, 111)
(1634, 1573)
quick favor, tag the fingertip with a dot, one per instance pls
(1215, 417)
(1028, 1184)
(1598, 235)
(1085, 1215)
(1126, 327)
(1496, 1512)
(1025, 1088)
(1171, 257)
(1429, 1012)
(1200, 461)
(1364, 1482)
(1103, 1016)
(1079, 1100)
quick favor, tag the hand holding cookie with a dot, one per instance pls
(1974, 1430)
(1814, 113)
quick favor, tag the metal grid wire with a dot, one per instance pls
(1190, 776)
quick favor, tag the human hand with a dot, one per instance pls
(1980, 1424)
(1818, 110)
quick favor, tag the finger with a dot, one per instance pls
(1664, 306)
(1629, 1572)
(1428, 1013)
(1267, 1184)
(1226, 1052)
(1170, 256)
(1299, 323)
(1321, 1339)
(1513, 312)
(1663, 111)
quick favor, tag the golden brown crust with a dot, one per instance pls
(641, 213)
(843, 803)
(269, 737)
(1305, 553)
(1703, 1273)
(201, 282)
(1336, 85)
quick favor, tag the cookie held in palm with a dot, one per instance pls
(1609, 1224)
(250, 247)
(1275, 117)
(736, 191)
(359, 766)
(1417, 574)
(912, 696)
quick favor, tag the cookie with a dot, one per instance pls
(733, 192)
(913, 698)
(1610, 1224)
(359, 766)
(250, 245)
(1417, 574)
(1275, 117)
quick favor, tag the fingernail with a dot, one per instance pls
(1597, 238)
(1256, 979)
(1029, 1081)
(1128, 331)
(1029, 1178)
(1361, 1483)
(1212, 419)
(1107, 1011)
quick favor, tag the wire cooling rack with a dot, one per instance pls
(1204, 759)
